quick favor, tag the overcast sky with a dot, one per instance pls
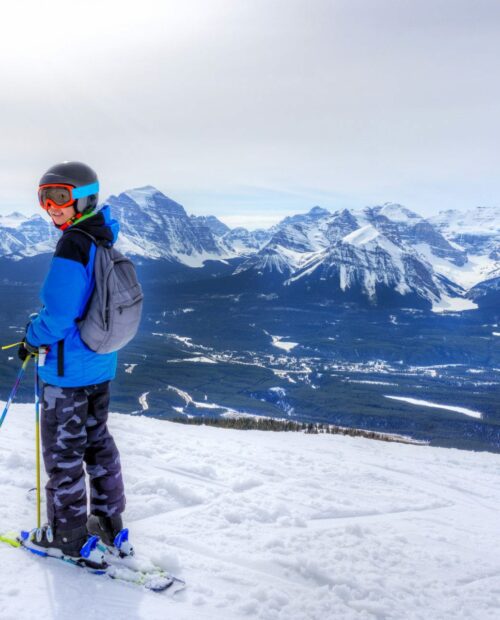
(254, 109)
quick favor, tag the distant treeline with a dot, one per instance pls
(246, 423)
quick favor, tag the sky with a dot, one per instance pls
(251, 110)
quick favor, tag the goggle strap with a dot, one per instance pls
(78, 217)
(85, 190)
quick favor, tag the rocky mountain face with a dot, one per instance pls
(217, 227)
(244, 242)
(372, 254)
(476, 230)
(21, 236)
(381, 254)
(402, 226)
(154, 226)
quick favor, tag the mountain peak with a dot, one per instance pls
(151, 189)
(141, 194)
(397, 213)
(318, 211)
(215, 225)
(314, 214)
(148, 198)
(13, 220)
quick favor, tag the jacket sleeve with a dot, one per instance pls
(63, 295)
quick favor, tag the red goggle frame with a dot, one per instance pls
(56, 195)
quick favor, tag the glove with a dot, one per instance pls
(25, 349)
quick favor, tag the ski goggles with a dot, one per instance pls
(61, 196)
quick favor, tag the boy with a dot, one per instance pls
(75, 393)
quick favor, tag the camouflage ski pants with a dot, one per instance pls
(74, 431)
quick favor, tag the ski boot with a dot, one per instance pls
(73, 544)
(112, 534)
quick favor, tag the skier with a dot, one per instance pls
(75, 380)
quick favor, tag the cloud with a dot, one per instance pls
(361, 101)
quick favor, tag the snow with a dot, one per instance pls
(201, 359)
(286, 346)
(287, 257)
(143, 401)
(398, 213)
(197, 260)
(186, 340)
(362, 235)
(130, 246)
(425, 403)
(476, 221)
(142, 195)
(189, 400)
(309, 266)
(344, 280)
(369, 240)
(14, 220)
(453, 304)
(476, 269)
(367, 382)
(272, 526)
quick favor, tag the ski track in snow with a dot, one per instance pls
(272, 526)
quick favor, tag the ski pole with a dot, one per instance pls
(10, 346)
(37, 439)
(14, 389)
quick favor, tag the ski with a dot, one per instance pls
(143, 566)
(128, 569)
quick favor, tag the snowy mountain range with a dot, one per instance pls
(21, 236)
(382, 254)
(380, 250)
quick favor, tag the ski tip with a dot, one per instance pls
(11, 538)
(177, 585)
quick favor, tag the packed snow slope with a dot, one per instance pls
(272, 526)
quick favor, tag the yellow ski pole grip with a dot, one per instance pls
(11, 346)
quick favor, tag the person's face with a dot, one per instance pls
(61, 216)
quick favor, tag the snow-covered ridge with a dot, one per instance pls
(13, 220)
(272, 526)
(154, 226)
(22, 236)
(376, 249)
(368, 251)
(480, 221)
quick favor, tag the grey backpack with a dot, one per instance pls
(114, 310)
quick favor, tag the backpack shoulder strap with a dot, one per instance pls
(99, 242)
(83, 232)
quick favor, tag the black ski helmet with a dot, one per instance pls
(79, 176)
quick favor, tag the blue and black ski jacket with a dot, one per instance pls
(65, 293)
